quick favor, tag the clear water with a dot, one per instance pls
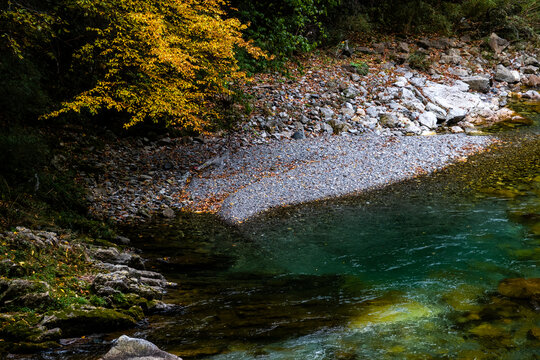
(410, 273)
(359, 281)
(407, 273)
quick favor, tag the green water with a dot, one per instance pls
(351, 281)
(408, 272)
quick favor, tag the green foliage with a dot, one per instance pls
(419, 60)
(283, 28)
(362, 68)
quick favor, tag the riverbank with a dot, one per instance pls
(334, 126)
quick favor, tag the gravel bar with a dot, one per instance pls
(261, 177)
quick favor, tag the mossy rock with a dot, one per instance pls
(77, 321)
(136, 312)
(26, 347)
(534, 334)
(488, 331)
(520, 288)
(17, 330)
(464, 298)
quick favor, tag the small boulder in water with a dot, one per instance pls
(127, 348)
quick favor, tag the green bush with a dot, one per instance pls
(282, 28)
(361, 68)
(419, 60)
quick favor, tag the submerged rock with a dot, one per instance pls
(126, 348)
(520, 288)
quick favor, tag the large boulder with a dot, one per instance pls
(123, 279)
(126, 348)
(504, 74)
(455, 100)
(21, 292)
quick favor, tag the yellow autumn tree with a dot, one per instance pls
(159, 60)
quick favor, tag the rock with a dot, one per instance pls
(438, 111)
(455, 115)
(529, 69)
(112, 255)
(531, 81)
(457, 101)
(441, 44)
(389, 120)
(488, 118)
(351, 92)
(520, 288)
(497, 44)
(401, 82)
(147, 284)
(24, 292)
(122, 240)
(339, 126)
(299, 135)
(531, 61)
(326, 128)
(412, 128)
(81, 320)
(504, 74)
(428, 119)
(456, 129)
(168, 213)
(39, 239)
(403, 47)
(532, 94)
(126, 348)
(478, 83)
(458, 71)
(372, 111)
(327, 113)
(347, 111)
(453, 58)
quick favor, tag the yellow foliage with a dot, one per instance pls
(160, 60)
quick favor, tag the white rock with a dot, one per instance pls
(439, 112)
(457, 101)
(456, 129)
(407, 94)
(428, 119)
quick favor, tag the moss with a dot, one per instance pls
(136, 312)
(78, 321)
(26, 347)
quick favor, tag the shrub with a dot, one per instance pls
(419, 60)
(361, 68)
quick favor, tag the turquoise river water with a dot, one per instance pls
(410, 272)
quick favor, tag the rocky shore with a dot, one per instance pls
(54, 286)
(337, 127)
